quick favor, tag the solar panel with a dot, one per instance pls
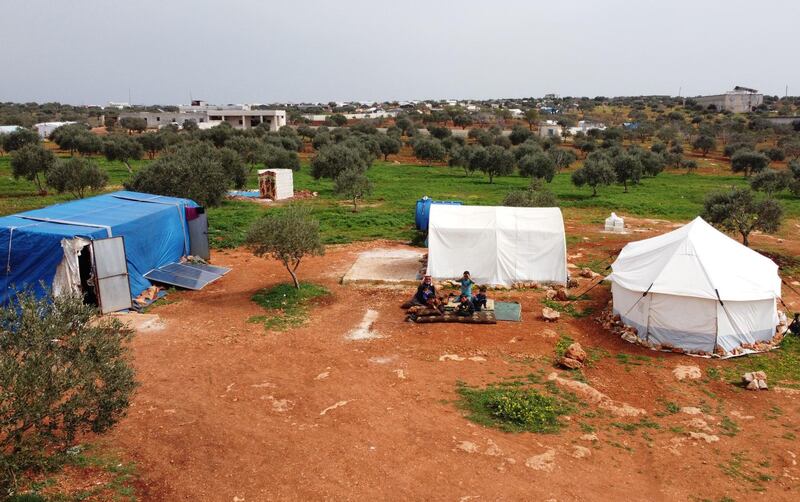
(209, 268)
(193, 276)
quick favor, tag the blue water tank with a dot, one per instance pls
(423, 212)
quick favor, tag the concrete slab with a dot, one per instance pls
(386, 266)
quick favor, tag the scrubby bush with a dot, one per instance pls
(771, 181)
(63, 372)
(535, 196)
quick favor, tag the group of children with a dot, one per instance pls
(468, 303)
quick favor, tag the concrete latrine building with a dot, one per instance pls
(739, 100)
(207, 116)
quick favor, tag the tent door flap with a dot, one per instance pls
(110, 266)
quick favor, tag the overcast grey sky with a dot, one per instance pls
(93, 51)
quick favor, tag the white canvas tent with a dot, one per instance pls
(276, 184)
(696, 288)
(498, 245)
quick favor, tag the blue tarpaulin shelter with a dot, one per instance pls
(154, 228)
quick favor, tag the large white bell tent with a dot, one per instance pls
(696, 289)
(498, 245)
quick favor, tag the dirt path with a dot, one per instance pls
(229, 412)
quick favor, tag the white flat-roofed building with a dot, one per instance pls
(205, 115)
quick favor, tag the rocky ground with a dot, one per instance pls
(357, 404)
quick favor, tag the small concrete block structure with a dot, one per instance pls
(615, 224)
(386, 266)
(276, 184)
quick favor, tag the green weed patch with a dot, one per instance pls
(288, 306)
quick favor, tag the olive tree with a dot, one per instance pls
(89, 143)
(531, 117)
(18, 139)
(461, 156)
(519, 135)
(32, 163)
(63, 372)
(596, 171)
(193, 170)
(354, 185)
(137, 124)
(429, 149)
(493, 161)
(123, 149)
(288, 236)
(627, 168)
(738, 210)
(152, 143)
(333, 160)
(704, 143)
(538, 165)
(76, 176)
(563, 157)
(749, 162)
(280, 158)
(389, 145)
(250, 149)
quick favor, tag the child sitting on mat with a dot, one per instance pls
(465, 307)
(479, 301)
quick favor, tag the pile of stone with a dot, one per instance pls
(559, 294)
(613, 323)
(755, 380)
(574, 357)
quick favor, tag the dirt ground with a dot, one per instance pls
(227, 411)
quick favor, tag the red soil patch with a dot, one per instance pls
(228, 410)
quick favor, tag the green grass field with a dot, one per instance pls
(389, 212)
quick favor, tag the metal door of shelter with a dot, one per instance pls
(111, 274)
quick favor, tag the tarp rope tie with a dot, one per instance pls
(637, 301)
(8, 258)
